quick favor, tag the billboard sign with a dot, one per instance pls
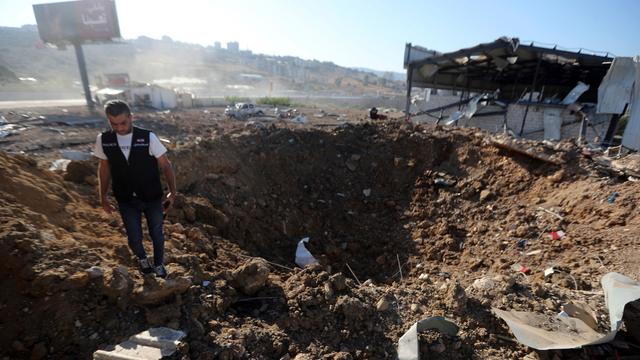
(77, 21)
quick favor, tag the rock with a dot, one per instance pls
(251, 276)
(328, 291)
(352, 308)
(484, 283)
(78, 171)
(438, 348)
(95, 272)
(77, 280)
(189, 213)
(207, 214)
(18, 346)
(117, 283)
(304, 357)
(154, 292)
(382, 305)
(351, 165)
(538, 290)
(485, 195)
(39, 351)
(91, 180)
(342, 355)
(549, 304)
(456, 298)
(557, 176)
(414, 307)
(47, 280)
(338, 281)
(175, 228)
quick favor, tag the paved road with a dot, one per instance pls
(24, 104)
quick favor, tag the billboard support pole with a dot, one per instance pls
(83, 74)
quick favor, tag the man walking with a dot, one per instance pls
(131, 159)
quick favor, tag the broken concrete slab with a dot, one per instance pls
(152, 344)
(163, 337)
(523, 148)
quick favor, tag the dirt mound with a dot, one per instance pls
(406, 222)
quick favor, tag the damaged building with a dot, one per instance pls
(527, 90)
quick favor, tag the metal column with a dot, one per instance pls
(409, 85)
(533, 88)
(613, 127)
(82, 66)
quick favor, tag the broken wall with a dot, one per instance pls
(534, 125)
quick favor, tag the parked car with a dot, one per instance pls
(243, 111)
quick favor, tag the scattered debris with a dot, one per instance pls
(541, 332)
(612, 198)
(75, 155)
(408, 346)
(548, 271)
(300, 119)
(528, 148)
(556, 235)
(520, 268)
(303, 256)
(59, 165)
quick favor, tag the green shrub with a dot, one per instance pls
(275, 101)
(236, 99)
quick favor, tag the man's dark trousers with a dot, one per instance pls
(131, 213)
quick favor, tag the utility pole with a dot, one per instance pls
(82, 66)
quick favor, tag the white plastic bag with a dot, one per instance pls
(303, 256)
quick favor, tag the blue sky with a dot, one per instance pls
(371, 33)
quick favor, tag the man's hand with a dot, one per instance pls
(107, 206)
(170, 177)
(168, 202)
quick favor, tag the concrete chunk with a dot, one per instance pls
(160, 337)
(129, 350)
(152, 344)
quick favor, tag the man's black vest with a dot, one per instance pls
(139, 175)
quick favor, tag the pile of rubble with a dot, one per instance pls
(406, 223)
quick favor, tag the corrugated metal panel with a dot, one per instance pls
(615, 89)
(631, 137)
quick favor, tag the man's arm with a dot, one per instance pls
(104, 177)
(170, 177)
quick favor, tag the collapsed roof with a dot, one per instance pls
(508, 66)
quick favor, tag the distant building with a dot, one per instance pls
(217, 45)
(233, 46)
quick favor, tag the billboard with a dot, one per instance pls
(77, 21)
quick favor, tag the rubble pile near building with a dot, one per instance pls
(405, 221)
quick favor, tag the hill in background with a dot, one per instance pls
(205, 71)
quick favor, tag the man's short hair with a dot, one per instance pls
(116, 108)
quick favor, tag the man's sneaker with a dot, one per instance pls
(161, 272)
(145, 266)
